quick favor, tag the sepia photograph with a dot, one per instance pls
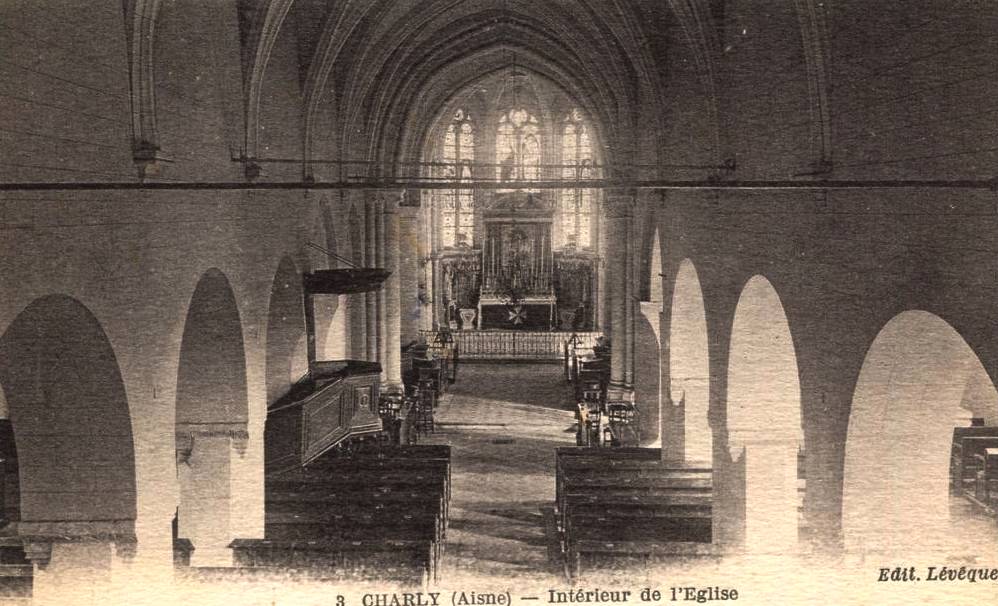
(498, 302)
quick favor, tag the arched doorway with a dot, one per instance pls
(70, 417)
(211, 418)
(689, 367)
(919, 380)
(764, 418)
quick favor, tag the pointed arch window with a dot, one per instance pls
(456, 206)
(577, 203)
(518, 147)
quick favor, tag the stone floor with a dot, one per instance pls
(503, 423)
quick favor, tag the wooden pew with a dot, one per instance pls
(369, 467)
(987, 479)
(383, 517)
(636, 526)
(391, 456)
(967, 442)
(404, 459)
(581, 459)
(433, 484)
(403, 560)
(401, 528)
(604, 555)
(362, 510)
(648, 480)
(623, 505)
(16, 571)
(380, 512)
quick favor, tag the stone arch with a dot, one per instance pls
(71, 420)
(919, 379)
(211, 415)
(764, 418)
(689, 366)
(71, 423)
(285, 329)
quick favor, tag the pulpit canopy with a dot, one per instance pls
(344, 281)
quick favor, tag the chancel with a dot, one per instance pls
(402, 298)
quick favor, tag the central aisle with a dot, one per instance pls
(503, 422)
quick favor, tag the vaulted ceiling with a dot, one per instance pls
(389, 67)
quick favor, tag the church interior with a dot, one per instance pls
(325, 295)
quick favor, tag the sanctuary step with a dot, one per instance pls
(622, 507)
(377, 515)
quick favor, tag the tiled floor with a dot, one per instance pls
(503, 423)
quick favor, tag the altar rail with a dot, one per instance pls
(514, 344)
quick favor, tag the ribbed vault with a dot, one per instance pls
(406, 61)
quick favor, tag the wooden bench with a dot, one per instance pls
(637, 527)
(604, 555)
(588, 459)
(16, 571)
(410, 560)
(624, 504)
(968, 442)
(378, 513)
(643, 481)
(372, 468)
(356, 510)
(396, 457)
(383, 517)
(431, 484)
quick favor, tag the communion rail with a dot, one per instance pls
(514, 344)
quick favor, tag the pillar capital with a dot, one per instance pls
(187, 434)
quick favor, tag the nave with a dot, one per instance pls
(225, 224)
(503, 423)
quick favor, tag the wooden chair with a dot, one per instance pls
(431, 375)
(424, 404)
(622, 421)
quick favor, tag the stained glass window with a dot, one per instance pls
(577, 203)
(518, 147)
(457, 206)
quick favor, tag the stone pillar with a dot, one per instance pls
(410, 254)
(85, 571)
(630, 300)
(425, 266)
(205, 456)
(380, 260)
(357, 303)
(619, 211)
(371, 298)
(392, 362)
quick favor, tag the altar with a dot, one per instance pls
(517, 289)
(513, 278)
(530, 313)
